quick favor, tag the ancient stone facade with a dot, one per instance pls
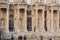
(35, 21)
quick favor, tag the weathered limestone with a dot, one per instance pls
(48, 20)
(52, 29)
(25, 20)
(36, 20)
(57, 20)
(19, 10)
(33, 2)
(45, 39)
(7, 21)
(43, 21)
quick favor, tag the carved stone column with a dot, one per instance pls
(7, 20)
(25, 20)
(58, 20)
(52, 29)
(43, 20)
(36, 20)
(48, 21)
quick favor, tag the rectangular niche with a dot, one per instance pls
(22, 19)
(3, 13)
(40, 18)
(29, 23)
(55, 19)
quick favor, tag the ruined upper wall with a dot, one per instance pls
(32, 1)
(19, 1)
(52, 1)
(44, 1)
(36, 1)
(40, 1)
(55, 1)
(4, 1)
(48, 1)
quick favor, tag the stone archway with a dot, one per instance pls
(20, 38)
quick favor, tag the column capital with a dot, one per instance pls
(7, 9)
